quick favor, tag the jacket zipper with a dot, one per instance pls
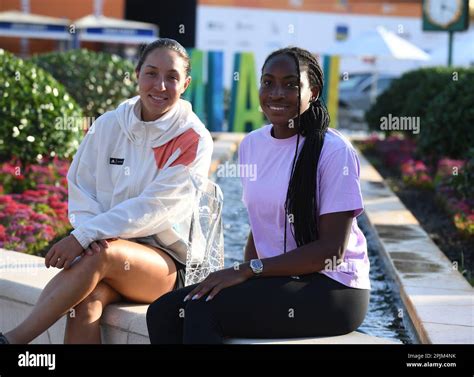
(135, 192)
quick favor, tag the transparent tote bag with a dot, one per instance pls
(206, 238)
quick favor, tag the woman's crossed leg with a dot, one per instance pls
(128, 270)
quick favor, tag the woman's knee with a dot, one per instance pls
(165, 306)
(100, 260)
(96, 262)
(153, 312)
(92, 307)
(352, 317)
(164, 315)
(199, 311)
(88, 310)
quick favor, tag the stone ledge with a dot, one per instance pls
(122, 323)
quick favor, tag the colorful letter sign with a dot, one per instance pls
(244, 103)
(244, 109)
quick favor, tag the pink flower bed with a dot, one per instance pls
(394, 150)
(33, 205)
(398, 154)
(447, 167)
(16, 178)
(415, 173)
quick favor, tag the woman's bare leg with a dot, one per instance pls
(83, 321)
(139, 273)
(64, 291)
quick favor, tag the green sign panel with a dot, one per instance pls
(244, 112)
(196, 92)
(445, 15)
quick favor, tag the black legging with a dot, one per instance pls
(263, 307)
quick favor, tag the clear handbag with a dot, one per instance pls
(206, 238)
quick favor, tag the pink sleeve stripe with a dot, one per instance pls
(187, 142)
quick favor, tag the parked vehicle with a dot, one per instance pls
(355, 92)
(355, 97)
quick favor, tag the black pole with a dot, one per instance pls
(450, 48)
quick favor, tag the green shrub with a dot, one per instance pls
(447, 129)
(443, 100)
(429, 83)
(31, 102)
(409, 95)
(98, 81)
(392, 100)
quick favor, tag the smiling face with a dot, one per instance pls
(161, 81)
(279, 90)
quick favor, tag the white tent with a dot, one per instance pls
(379, 43)
(114, 30)
(26, 25)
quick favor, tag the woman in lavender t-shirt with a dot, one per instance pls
(306, 270)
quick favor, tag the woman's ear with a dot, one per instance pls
(186, 83)
(137, 73)
(314, 94)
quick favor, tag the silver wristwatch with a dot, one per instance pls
(257, 266)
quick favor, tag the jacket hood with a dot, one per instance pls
(172, 124)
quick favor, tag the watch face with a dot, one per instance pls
(256, 264)
(443, 12)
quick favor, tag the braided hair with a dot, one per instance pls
(300, 203)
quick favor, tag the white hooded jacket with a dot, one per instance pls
(131, 178)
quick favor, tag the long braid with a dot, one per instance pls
(287, 212)
(301, 204)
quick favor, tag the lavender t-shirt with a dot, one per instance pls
(264, 192)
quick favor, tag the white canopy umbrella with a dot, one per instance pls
(114, 30)
(27, 25)
(378, 43)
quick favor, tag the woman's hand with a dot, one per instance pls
(97, 246)
(63, 252)
(219, 280)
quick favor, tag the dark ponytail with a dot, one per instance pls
(301, 205)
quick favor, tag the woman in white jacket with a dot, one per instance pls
(130, 197)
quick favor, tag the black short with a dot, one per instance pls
(180, 274)
(180, 268)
